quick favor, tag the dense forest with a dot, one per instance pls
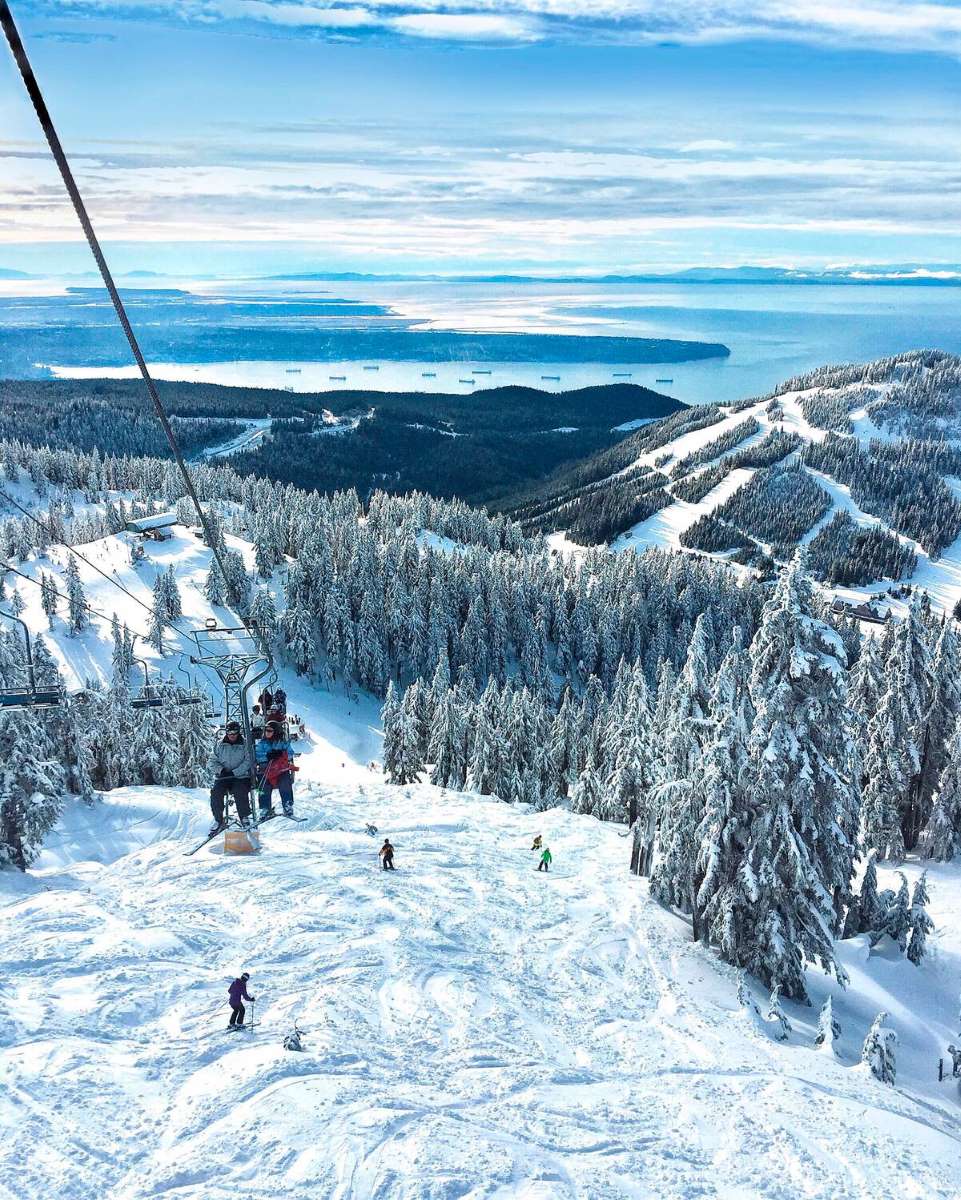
(474, 446)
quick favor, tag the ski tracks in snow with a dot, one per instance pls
(474, 1028)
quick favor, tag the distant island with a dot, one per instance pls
(904, 275)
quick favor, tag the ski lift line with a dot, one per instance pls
(56, 149)
(63, 596)
(73, 550)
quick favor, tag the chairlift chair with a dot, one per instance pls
(32, 696)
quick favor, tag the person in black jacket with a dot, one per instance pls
(230, 766)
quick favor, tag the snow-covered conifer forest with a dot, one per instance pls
(743, 966)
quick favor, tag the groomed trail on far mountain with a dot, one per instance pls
(472, 1028)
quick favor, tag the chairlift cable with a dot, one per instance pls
(73, 550)
(56, 149)
(4, 567)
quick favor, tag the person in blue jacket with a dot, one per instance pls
(275, 759)
(238, 993)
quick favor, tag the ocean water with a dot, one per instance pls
(772, 331)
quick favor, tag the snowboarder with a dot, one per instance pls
(275, 767)
(545, 863)
(387, 855)
(538, 842)
(237, 992)
(230, 767)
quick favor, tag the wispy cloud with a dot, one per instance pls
(889, 25)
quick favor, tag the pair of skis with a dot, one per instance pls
(271, 813)
(236, 825)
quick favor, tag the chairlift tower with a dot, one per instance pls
(233, 653)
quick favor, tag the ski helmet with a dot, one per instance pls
(274, 727)
(246, 975)
(232, 727)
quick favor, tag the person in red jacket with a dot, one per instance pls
(275, 769)
(238, 993)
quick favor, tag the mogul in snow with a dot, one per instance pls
(230, 767)
(387, 856)
(275, 768)
(237, 992)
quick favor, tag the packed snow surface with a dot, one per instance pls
(473, 1028)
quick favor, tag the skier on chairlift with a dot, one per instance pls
(275, 767)
(230, 767)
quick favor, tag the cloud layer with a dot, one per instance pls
(889, 25)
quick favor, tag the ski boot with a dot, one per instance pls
(217, 827)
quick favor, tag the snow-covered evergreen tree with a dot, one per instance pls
(941, 840)
(891, 762)
(799, 856)
(263, 612)
(77, 619)
(680, 797)
(32, 784)
(921, 923)
(195, 739)
(912, 667)
(488, 745)
(723, 902)
(446, 746)
(870, 915)
(299, 639)
(155, 760)
(588, 794)
(173, 602)
(158, 618)
(941, 719)
(829, 1028)
(879, 1053)
(775, 1014)
(48, 597)
(896, 922)
(215, 589)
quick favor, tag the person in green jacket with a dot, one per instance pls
(545, 863)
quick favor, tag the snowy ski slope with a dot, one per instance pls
(473, 1028)
(941, 577)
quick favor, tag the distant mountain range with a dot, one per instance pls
(900, 274)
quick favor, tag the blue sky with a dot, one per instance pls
(232, 136)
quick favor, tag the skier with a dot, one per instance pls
(275, 768)
(256, 721)
(230, 766)
(545, 863)
(265, 699)
(538, 842)
(237, 993)
(280, 699)
(387, 854)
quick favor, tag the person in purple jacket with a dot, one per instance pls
(238, 993)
